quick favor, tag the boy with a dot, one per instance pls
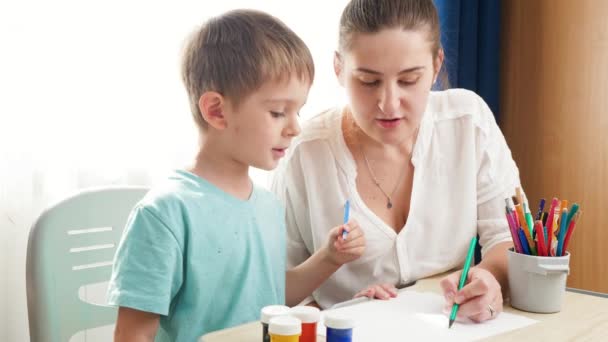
(206, 249)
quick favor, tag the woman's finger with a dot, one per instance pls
(369, 292)
(381, 293)
(488, 311)
(449, 285)
(475, 288)
(482, 309)
(390, 289)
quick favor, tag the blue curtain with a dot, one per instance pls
(470, 35)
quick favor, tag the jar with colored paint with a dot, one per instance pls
(309, 316)
(285, 329)
(339, 328)
(269, 312)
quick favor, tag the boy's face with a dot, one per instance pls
(262, 127)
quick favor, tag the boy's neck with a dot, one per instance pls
(222, 171)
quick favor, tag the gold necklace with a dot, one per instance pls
(389, 202)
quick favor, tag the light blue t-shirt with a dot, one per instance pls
(200, 258)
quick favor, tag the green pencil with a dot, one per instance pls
(463, 277)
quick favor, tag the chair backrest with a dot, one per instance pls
(71, 245)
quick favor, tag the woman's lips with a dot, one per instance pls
(389, 123)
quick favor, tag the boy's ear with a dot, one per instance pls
(338, 66)
(211, 104)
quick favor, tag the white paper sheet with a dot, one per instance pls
(417, 316)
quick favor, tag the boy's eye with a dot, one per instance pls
(277, 114)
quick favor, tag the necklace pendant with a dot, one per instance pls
(389, 204)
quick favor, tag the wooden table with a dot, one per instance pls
(583, 318)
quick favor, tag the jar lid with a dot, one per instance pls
(271, 311)
(285, 326)
(308, 314)
(338, 321)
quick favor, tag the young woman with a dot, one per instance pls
(423, 171)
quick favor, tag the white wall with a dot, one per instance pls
(80, 79)
(3, 280)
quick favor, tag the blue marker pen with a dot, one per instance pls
(524, 241)
(346, 214)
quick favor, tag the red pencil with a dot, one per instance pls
(540, 238)
(570, 230)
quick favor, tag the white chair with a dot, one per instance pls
(72, 245)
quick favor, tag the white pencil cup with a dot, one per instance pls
(537, 283)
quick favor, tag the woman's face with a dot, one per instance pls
(388, 76)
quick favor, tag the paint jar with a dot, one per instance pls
(339, 328)
(537, 283)
(269, 312)
(309, 315)
(285, 329)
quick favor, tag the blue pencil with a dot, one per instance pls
(346, 214)
(541, 207)
(524, 241)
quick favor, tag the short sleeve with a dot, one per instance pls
(147, 271)
(497, 178)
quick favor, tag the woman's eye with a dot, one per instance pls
(370, 83)
(408, 82)
(277, 114)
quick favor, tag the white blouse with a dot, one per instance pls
(463, 172)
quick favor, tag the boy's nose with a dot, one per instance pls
(293, 128)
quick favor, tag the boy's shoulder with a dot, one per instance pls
(185, 194)
(179, 199)
(174, 191)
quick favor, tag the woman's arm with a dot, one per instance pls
(495, 261)
(497, 176)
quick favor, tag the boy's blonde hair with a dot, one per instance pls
(235, 53)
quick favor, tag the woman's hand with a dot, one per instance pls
(480, 299)
(342, 250)
(379, 291)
